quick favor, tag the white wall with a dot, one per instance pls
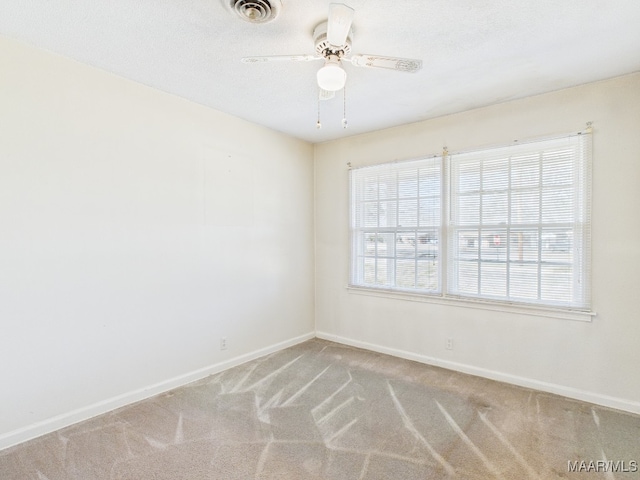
(136, 229)
(595, 361)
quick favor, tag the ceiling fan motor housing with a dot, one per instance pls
(256, 11)
(324, 48)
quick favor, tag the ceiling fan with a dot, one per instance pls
(332, 40)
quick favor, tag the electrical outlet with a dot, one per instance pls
(223, 343)
(449, 344)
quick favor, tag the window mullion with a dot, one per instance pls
(375, 263)
(415, 232)
(395, 235)
(540, 196)
(480, 225)
(443, 228)
(508, 234)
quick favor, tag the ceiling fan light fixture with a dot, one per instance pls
(332, 76)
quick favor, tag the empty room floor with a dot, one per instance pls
(321, 410)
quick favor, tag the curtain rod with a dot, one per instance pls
(446, 153)
(586, 131)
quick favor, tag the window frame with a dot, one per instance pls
(418, 229)
(445, 252)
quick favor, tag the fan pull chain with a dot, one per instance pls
(344, 107)
(318, 124)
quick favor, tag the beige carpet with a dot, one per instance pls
(321, 410)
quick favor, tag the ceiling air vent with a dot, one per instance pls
(256, 11)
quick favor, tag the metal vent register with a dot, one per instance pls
(256, 11)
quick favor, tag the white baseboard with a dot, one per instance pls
(574, 393)
(64, 420)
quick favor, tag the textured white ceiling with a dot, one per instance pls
(474, 53)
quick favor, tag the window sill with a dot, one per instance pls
(520, 309)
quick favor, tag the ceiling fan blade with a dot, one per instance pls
(281, 58)
(339, 24)
(392, 63)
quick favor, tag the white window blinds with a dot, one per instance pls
(519, 223)
(516, 229)
(396, 225)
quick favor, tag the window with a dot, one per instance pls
(396, 225)
(519, 223)
(516, 229)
